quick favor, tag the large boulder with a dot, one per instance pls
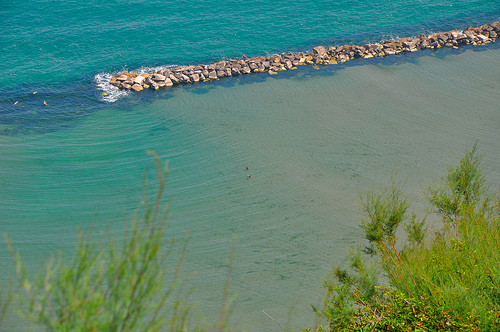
(319, 50)
(212, 75)
(235, 70)
(246, 70)
(159, 78)
(125, 86)
(122, 78)
(138, 80)
(137, 87)
(253, 66)
(195, 78)
(168, 82)
(174, 79)
(482, 38)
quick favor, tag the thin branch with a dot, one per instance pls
(282, 329)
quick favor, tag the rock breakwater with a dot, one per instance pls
(320, 55)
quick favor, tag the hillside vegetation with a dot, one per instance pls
(445, 280)
(448, 280)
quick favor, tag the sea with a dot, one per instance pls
(274, 164)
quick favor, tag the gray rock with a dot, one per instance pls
(482, 38)
(424, 43)
(235, 70)
(168, 82)
(159, 77)
(139, 79)
(331, 50)
(470, 35)
(125, 86)
(319, 50)
(174, 79)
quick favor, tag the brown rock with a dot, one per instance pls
(253, 66)
(212, 75)
(319, 50)
(168, 82)
(235, 70)
(159, 77)
(174, 79)
(137, 87)
(483, 38)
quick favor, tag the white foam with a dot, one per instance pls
(110, 93)
(150, 70)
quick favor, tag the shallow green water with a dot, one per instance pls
(311, 141)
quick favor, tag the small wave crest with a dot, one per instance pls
(110, 93)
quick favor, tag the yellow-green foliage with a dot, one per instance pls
(447, 281)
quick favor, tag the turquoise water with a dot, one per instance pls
(311, 138)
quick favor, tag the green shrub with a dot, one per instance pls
(449, 281)
(112, 285)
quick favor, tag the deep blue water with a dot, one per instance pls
(58, 47)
